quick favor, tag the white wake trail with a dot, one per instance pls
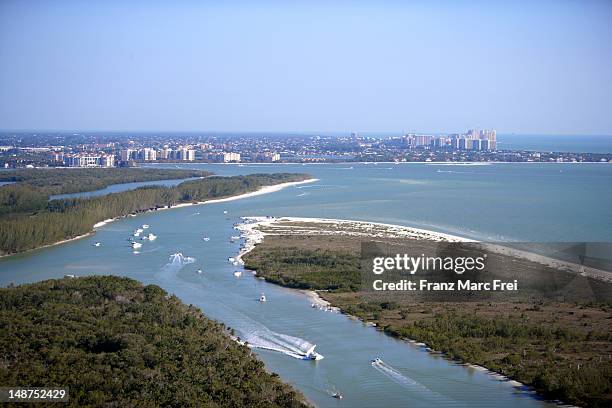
(405, 381)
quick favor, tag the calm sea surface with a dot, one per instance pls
(541, 202)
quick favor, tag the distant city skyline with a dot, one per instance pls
(435, 67)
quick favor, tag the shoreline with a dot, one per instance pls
(261, 191)
(253, 236)
(245, 164)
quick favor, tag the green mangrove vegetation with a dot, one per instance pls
(114, 342)
(76, 180)
(562, 349)
(22, 229)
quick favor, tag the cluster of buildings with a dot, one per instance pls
(108, 150)
(474, 139)
(150, 154)
(85, 159)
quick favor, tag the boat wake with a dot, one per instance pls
(177, 262)
(264, 338)
(404, 380)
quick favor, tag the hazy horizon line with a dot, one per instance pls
(295, 132)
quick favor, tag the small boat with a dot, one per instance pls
(136, 234)
(97, 244)
(145, 226)
(230, 259)
(152, 237)
(206, 239)
(337, 395)
(262, 298)
(136, 245)
(199, 271)
(235, 237)
(69, 276)
(376, 361)
(238, 274)
(225, 212)
(235, 263)
(312, 355)
(139, 230)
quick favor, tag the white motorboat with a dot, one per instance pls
(376, 361)
(231, 259)
(225, 212)
(199, 271)
(262, 298)
(136, 245)
(145, 226)
(238, 274)
(206, 239)
(312, 355)
(139, 230)
(152, 237)
(97, 244)
(136, 233)
(235, 263)
(69, 276)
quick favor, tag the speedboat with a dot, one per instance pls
(337, 395)
(199, 271)
(206, 239)
(376, 361)
(136, 245)
(230, 259)
(311, 354)
(152, 237)
(235, 263)
(145, 226)
(262, 298)
(225, 212)
(139, 230)
(136, 233)
(238, 274)
(97, 244)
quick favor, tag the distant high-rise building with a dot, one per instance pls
(186, 154)
(89, 160)
(440, 142)
(148, 154)
(231, 157)
(128, 154)
(419, 140)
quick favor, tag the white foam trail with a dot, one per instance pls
(395, 375)
(408, 382)
(177, 262)
(259, 336)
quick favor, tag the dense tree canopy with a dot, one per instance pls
(74, 180)
(114, 342)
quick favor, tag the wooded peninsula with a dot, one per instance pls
(29, 220)
(116, 343)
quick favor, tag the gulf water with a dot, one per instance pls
(526, 202)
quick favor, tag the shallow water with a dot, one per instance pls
(117, 188)
(524, 202)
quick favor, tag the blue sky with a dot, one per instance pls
(524, 67)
